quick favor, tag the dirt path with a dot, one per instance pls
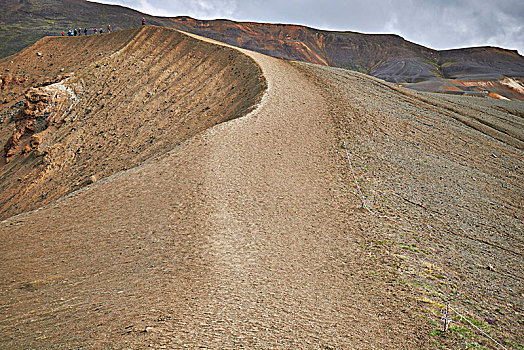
(246, 236)
(280, 246)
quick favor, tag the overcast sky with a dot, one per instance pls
(439, 24)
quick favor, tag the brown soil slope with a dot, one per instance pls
(239, 238)
(451, 187)
(252, 234)
(131, 95)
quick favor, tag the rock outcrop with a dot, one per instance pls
(41, 108)
(10, 80)
(31, 119)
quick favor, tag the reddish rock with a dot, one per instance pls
(10, 80)
(29, 120)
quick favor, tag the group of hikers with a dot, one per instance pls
(92, 30)
(87, 31)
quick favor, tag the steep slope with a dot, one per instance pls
(387, 57)
(350, 50)
(451, 188)
(252, 234)
(130, 96)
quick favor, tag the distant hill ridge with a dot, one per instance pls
(367, 53)
(385, 56)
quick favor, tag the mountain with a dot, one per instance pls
(23, 22)
(162, 190)
(384, 56)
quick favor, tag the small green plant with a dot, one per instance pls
(418, 284)
(412, 247)
(438, 345)
(462, 332)
(515, 345)
(474, 345)
(435, 333)
(14, 223)
(477, 323)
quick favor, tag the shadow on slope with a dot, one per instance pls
(130, 96)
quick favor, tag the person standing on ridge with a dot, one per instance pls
(109, 28)
(62, 33)
(143, 21)
(85, 31)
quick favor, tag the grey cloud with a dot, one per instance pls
(203, 9)
(465, 23)
(439, 24)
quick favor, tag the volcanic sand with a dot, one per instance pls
(139, 93)
(250, 234)
(240, 237)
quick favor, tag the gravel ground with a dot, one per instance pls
(248, 235)
(453, 193)
(252, 234)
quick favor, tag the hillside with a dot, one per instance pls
(472, 71)
(101, 104)
(387, 57)
(26, 21)
(227, 203)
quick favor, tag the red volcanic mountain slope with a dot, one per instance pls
(384, 56)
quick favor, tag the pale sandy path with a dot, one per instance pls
(246, 236)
